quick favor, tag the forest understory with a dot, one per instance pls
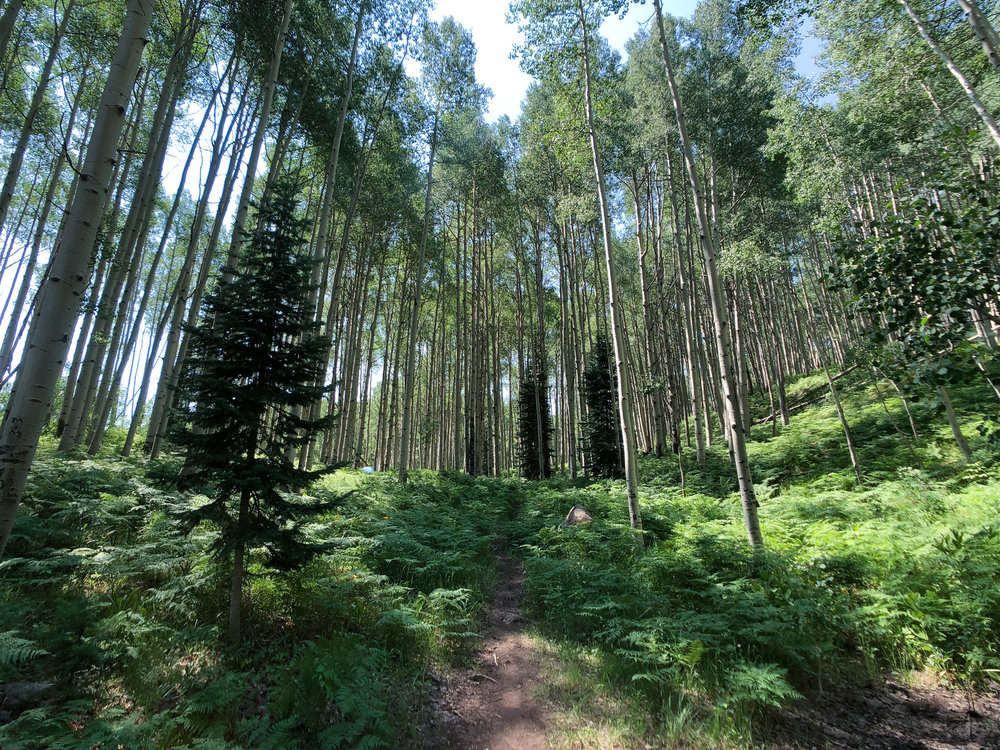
(871, 620)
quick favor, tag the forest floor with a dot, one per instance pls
(493, 705)
(499, 703)
(919, 714)
(461, 613)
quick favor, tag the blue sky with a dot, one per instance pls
(494, 38)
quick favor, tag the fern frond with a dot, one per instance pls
(15, 650)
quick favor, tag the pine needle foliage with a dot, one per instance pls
(535, 460)
(602, 443)
(256, 364)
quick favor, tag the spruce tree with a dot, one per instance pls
(252, 367)
(532, 401)
(602, 445)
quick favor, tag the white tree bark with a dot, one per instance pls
(7, 24)
(69, 273)
(983, 30)
(239, 225)
(411, 345)
(625, 401)
(967, 87)
(17, 156)
(727, 373)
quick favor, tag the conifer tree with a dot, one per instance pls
(532, 402)
(602, 444)
(252, 368)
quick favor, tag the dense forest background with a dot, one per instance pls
(691, 277)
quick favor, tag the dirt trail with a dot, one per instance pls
(493, 706)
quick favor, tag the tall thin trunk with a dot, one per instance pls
(69, 273)
(14, 327)
(625, 400)
(418, 278)
(270, 83)
(983, 30)
(956, 428)
(967, 87)
(7, 24)
(843, 421)
(27, 127)
(727, 375)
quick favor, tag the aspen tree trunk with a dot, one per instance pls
(983, 30)
(359, 451)
(7, 24)
(69, 270)
(843, 419)
(119, 178)
(625, 399)
(270, 83)
(743, 390)
(738, 445)
(124, 270)
(540, 374)
(176, 301)
(108, 394)
(352, 366)
(956, 429)
(11, 336)
(696, 404)
(411, 346)
(459, 319)
(21, 147)
(176, 350)
(967, 87)
(892, 421)
(175, 311)
(649, 327)
(26, 213)
(498, 420)
(569, 355)
(331, 173)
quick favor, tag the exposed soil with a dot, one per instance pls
(891, 716)
(492, 706)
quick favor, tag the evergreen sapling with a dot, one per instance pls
(532, 401)
(255, 365)
(602, 445)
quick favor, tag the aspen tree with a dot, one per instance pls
(569, 22)
(69, 273)
(21, 147)
(721, 326)
(448, 65)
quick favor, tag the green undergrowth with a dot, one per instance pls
(682, 637)
(698, 637)
(120, 616)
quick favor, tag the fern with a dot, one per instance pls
(15, 651)
(759, 686)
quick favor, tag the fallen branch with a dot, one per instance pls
(808, 395)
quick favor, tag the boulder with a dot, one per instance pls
(18, 696)
(578, 514)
